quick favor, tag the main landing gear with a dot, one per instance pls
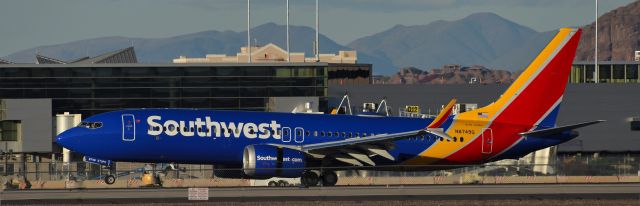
(311, 178)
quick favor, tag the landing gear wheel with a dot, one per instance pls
(309, 178)
(273, 183)
(329, 178)
(283, 183)
(109, 179)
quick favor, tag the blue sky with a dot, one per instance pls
(30, 23)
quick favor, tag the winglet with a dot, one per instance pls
(444, 114)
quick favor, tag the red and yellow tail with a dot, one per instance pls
(527, 103)
(540, 87)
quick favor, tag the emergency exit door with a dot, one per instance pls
(128, 127)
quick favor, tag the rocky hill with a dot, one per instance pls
(452, 74)
(618, 35)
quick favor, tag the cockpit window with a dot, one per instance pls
(91, 125)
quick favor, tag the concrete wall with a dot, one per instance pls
(582, 102)
(37, 126)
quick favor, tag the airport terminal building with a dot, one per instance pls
(115, 81)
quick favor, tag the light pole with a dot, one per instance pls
(249, 30)
(317, 44)
(596, 73)
(288, 52)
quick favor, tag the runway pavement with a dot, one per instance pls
(431, 192)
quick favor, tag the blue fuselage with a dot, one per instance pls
(219, 137)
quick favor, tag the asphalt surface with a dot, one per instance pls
(629, 192)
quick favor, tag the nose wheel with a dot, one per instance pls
(110, 179)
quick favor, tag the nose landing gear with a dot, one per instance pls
(109, 179)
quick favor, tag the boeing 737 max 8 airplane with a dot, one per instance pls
(310, 146)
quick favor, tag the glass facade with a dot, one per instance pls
(95, 89)
(608, 72)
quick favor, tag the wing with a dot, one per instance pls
(358, 150)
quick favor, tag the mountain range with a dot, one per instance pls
(478, 39)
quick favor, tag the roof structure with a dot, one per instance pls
(122, 56)
(2, 61)
(79, 59)
(48, 60)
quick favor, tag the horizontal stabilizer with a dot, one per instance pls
(556, 130)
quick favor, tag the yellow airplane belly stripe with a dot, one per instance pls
(440, 150)
(470, 124)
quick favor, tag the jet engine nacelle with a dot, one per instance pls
(268, 161)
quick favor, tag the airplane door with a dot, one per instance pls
(487, 141)
(286, 134)
(299, 134)
(128, 127)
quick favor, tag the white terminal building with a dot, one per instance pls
(270, 53)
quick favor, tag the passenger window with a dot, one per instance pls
(329, 134)
(350, 135)
(308, 133)
(344, 134)
(322, 133)
(364, 134)
(315, 133)
(461, 139)
(285, 132)
(337, 134)
(455, 139)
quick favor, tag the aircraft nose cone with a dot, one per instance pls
(66, 139)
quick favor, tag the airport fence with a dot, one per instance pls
(56, 175)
